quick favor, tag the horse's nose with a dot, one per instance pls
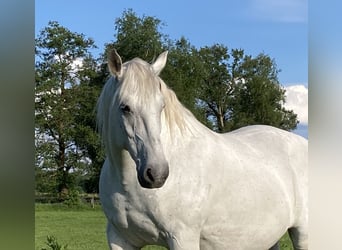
(149, 174)
(155, 175)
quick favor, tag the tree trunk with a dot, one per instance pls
(220, 119)
(61, 171)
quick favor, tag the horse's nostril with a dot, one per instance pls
(149, 174)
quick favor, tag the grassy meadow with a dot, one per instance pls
(81, 228)
(77, 228)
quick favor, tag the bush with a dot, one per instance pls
(53, 244)
(73, 199)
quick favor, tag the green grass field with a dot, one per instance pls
(81, 229)
(78, 228)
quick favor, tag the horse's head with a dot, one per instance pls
(136, 116)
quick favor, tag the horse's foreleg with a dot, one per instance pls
(299, 238)
(115, 242)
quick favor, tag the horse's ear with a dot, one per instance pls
(114, 63)
(159, 64)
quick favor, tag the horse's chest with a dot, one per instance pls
(129, 218)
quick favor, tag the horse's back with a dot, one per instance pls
(265, 133)
(274, 143)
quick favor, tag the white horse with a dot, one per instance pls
(170, 181)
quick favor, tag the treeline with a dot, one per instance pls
(224, 88)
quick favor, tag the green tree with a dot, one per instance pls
(85, 136)
(216, 84)
(45, 162)
(259, 98)
(138, 37)
(64, 67)
(238, 90)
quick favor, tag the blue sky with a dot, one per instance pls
(277, 28)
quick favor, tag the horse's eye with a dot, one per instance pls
(125, 108)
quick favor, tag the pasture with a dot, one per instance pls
(78, 228)
(81, 228)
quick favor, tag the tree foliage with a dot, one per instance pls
(216, 84)
(237, 90)
(138, 37)
(260, 97)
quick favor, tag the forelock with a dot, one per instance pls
(138, 82)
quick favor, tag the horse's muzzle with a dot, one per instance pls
(153, 176)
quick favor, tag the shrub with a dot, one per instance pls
(73, 199)
(53, 244)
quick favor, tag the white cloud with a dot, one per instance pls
(279, 10)
(297, 100)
